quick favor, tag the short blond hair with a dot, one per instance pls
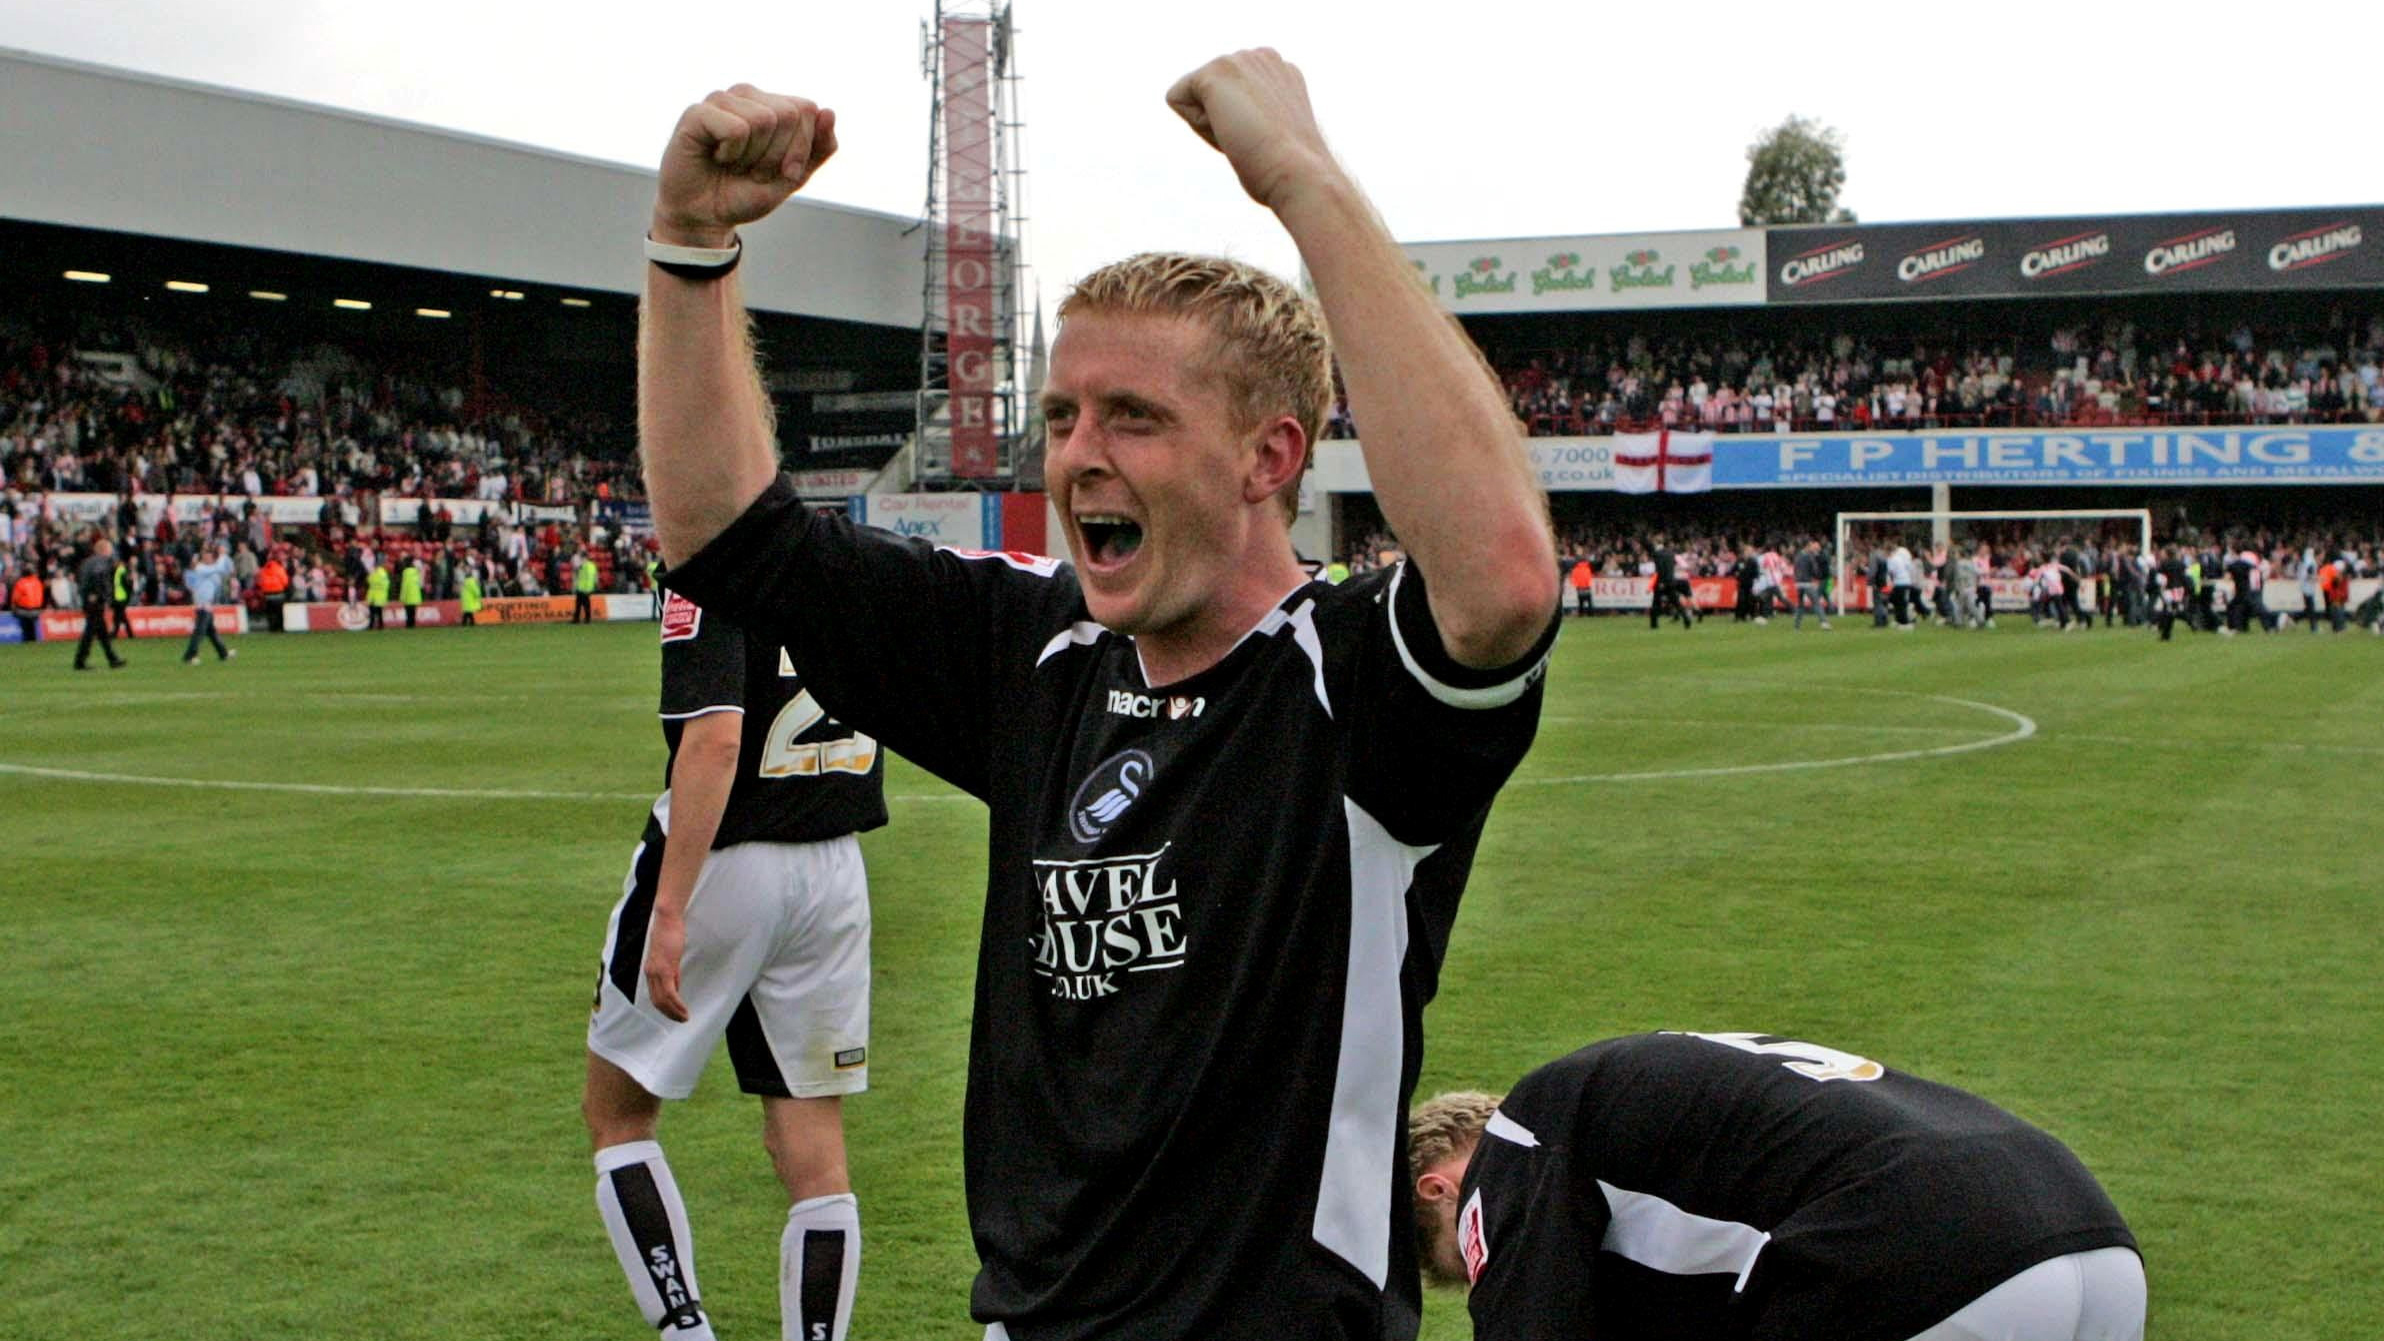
(1436, 1129)
(1445, 1124)
(1269, 343)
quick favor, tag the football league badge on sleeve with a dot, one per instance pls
(680, 618)
(1471, 1244)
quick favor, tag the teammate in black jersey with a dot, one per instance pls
(746, 913)
(1746, 1186)
(1231, 809)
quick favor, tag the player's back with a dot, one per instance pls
(801, 775)
(1847, 1188)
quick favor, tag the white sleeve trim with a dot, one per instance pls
(1508, 1129)
(1488, 696)
(1082, 633)
(701, 712)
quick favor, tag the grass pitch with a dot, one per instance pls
(305, 1063)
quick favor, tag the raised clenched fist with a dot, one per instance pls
(1252, 106)
(733, 158)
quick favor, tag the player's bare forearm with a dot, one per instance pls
(702, 774)
(1441, 444)
(704, 426)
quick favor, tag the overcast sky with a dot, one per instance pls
(1474, 119)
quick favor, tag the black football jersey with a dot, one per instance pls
(1736, 1185)
(1214, 912)
(801, 775)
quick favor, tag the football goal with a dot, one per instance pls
(1864, 532)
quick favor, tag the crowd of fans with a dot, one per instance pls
(134, 415)
(2062, 553)
(333, 561)
(129, 411)
(2105, 375)
(141, 416)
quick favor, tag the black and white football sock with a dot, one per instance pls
(819, 1258)
(648, 1222)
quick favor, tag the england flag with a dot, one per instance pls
(1663, 463)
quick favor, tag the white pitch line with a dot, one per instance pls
(2183, 743)
(1746, 723)
(2023, 727)
(330, 789)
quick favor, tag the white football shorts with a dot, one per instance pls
(2090, 1296)
(777, 960)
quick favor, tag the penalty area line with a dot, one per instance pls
(335, 789)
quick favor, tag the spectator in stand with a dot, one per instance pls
(244, 571)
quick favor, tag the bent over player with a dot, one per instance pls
(746, 912)
(1231, 809)
(1746, 1186)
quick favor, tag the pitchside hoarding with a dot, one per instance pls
(2238, 251)
(2283, 454)
(2278, 454)
(1593, 274)
(956, 521)
(148, 621)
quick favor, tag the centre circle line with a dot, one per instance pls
(2023, 727)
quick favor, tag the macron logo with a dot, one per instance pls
(1127, 703)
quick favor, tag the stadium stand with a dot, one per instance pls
(2055, 375)
(412, 342)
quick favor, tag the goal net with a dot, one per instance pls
(2012, 538)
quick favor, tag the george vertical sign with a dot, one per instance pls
(969, 244)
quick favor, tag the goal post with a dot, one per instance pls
(1940, 523)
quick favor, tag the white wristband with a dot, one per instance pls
(700, 258)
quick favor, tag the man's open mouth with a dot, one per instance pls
(1109, 539)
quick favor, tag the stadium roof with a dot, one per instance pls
(94, 147)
